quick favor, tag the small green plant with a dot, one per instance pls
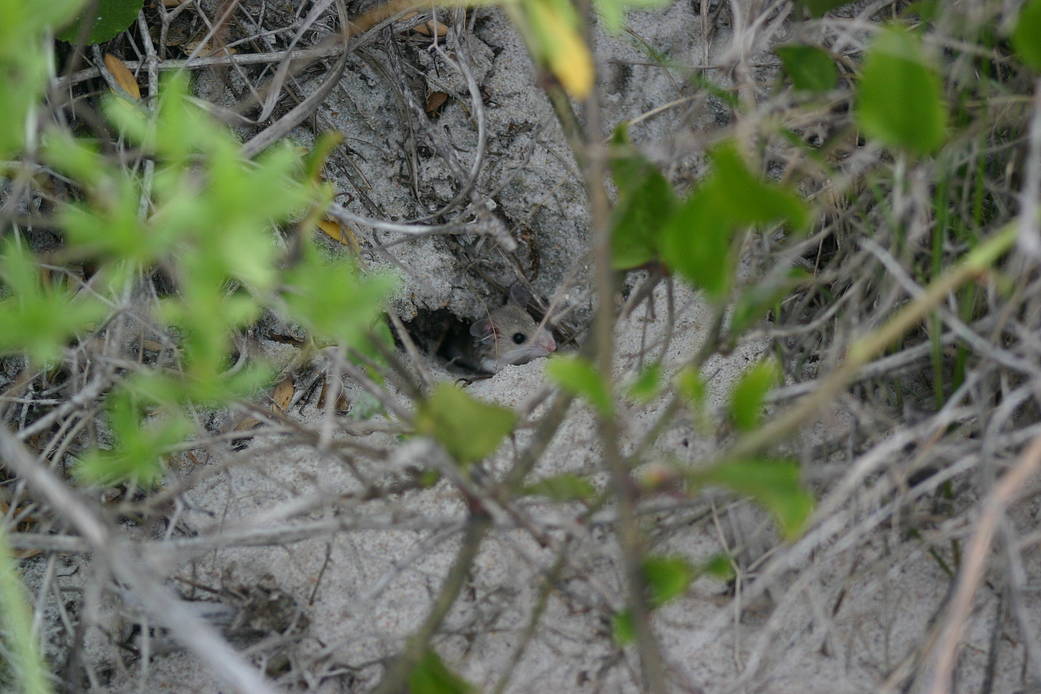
(810, 68)
(107, 19)
(24, 61)
(467, 428)
(899, 100)
(1025, 37)
(695, 236)
(27, 667)
(857, 212)
(210, 225)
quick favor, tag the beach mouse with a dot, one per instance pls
(509, 335)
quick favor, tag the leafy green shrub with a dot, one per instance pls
(209, 226)
(183, 203)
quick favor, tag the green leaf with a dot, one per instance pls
(1026, 38)
(622, 627)
(200, 384)
(774, 484)
(819, 8)
(899, 97)
(110, 18)
(809, 67)
(696, 240)
(691, 386)
(645, 203)
(431, 676)
(667, 578)
(719, 566)
(563, 487)
(131, 118)
(37, 318)
(76, 157)
(314, 161)
(333, 300)
(579, 377)
(745, 198)
(746, 400)
(628, 166)
(140, 444)
(612, 12)
(647, 384)
(924, 10)
(24, 60)
(24, 21)
(205, 314)
(468, 428)
(23, 662)
(428, 478)
(696, 244)
(638, 220)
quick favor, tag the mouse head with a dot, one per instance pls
(510, 336)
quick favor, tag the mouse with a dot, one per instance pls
(509, 335)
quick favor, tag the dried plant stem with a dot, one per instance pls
(193, 632)
(869, 346)
(975, 564)
(630, 537)
(397, 676)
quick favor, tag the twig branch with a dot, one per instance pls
(862, 351)
(974, 564)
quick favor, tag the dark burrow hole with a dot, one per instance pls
(445, 337)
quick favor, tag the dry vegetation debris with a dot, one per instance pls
(304, 541)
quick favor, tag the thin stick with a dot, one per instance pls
(975, 563)
(866, 348)
(194, 633)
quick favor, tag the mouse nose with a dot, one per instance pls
(547, 342)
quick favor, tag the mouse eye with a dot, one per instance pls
(519, 338)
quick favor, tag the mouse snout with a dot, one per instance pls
(545, 341)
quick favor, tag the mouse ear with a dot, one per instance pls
(520, 296)
(482, 328)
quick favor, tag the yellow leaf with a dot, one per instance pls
(246, 424)
(431, 28)
(283, 394)
(342, 403)
(122, 75)
(340, 233)
(435, 100)
(562, 46)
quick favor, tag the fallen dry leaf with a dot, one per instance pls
(342, 403)
(435, 100)
(283, 393)
(246, 424)
(123, 76)
(340, 233)
(431, 28)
